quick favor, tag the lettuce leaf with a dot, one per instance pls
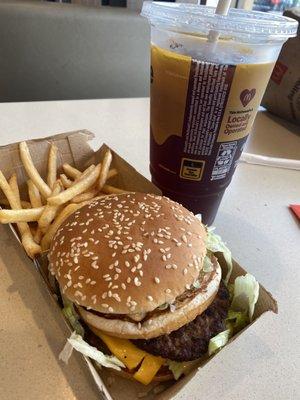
(218, 341)
(236, 320)
(245, 294)
(72, 316)
(215, 244)
(207, 264)
(177, 368)
(240, 313)
(180, 368)
(76, 342)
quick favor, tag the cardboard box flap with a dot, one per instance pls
(73, 149)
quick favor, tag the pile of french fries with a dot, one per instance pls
(52, 202)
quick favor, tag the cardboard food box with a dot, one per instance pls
(74, 149)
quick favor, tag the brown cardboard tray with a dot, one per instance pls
(74, 149)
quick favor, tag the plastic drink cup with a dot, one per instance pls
(205, 95)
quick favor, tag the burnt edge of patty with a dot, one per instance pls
(191, 340)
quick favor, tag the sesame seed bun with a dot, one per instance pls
(164, 322)
(128, 253)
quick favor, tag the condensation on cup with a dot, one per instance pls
(205, 95)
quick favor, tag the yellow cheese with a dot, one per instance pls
(148, 369)
(124, 350)
(132, 357)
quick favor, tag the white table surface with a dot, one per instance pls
(253, 219)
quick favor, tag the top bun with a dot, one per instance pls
(128, 253)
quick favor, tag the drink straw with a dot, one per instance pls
(222, 9)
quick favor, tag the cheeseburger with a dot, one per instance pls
(137, 272)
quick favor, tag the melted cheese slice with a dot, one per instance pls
(148, 369)
(124, 350)
(132, 357)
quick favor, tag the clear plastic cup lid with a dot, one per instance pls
(246, 25)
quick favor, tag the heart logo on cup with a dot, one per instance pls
(246, 96)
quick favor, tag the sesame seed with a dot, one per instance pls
(184, 238)
(190, 245)
(137, 282)
(187, 287)
(156, 279)
(169, 256)
(116, 276)
(110, 309)
(133, 269)
(118, 270)
(168, 266)
(128, 280)
(164, 258)
(127, 263)
(123, 286)
(168, 290)
(150, 298)
(139, 266)
(162, 250)
(185, 271)
(93, 283)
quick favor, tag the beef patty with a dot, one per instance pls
(191, 340)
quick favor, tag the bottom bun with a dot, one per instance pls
(163, 375)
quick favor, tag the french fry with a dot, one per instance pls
(71, 172)
(113, 190)
(37, 237)
(34, 194)
(52, 166)
(24, 204)
(32, 171)
(66, 181)
(66, 211)
(104, 169)
(13, 196)
(90, 194)
(84, 183)
(86, 172)
(49, 212)
(36, 201)
(20, 215)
